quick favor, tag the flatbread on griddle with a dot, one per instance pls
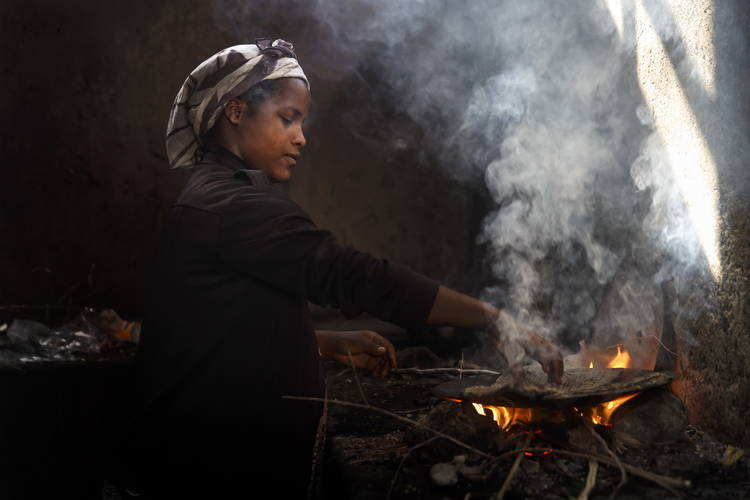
(579, 387)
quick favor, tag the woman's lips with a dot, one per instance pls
(292, 157)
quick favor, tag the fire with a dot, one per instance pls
(621, 360)
(601, 414)
(505, 417)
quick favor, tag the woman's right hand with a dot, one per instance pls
(514, 341)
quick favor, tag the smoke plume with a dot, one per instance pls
(541, 100)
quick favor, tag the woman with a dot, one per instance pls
(228, 330)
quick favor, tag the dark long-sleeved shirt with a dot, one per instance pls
(228, 331)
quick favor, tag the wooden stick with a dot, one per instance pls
(443, 370)
(318, 448)
(623, 474)
(403, 460)
(356, 379)
(590, 480)
(506, 484)
(397, 417)
(413, 410)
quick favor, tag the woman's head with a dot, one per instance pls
(228, 94)
(263, 126)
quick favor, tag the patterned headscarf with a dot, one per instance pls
(221, 77)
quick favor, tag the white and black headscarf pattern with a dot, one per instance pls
(223, 76)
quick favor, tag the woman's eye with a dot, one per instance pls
(286, 120)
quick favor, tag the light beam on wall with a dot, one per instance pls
(615, 8)
(693, 166)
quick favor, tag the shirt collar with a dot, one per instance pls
(224, 157)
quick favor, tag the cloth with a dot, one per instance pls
(215, 81)
(228, 331)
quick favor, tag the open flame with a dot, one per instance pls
(506, 417)
(601, 414)
(621, 360)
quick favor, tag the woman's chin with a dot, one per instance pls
(281, 175)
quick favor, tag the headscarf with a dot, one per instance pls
(223, 76)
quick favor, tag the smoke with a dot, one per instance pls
(538, 98)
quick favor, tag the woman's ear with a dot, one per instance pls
(234, 110)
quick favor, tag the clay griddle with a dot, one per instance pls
(580, 387)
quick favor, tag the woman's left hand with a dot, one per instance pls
(360, 349)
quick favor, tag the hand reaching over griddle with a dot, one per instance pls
(360, 349)
(514, 341)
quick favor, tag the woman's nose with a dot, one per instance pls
(299, 138)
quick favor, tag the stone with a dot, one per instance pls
(443, 474)
(656, 416)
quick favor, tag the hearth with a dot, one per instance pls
(611, 397)
(396, 444)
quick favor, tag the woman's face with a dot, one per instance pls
(271, 137)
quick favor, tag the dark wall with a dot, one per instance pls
(86, 92)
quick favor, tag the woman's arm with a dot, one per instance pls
(511, 338)
(356, 282)
(456, 309)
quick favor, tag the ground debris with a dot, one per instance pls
(374, 449)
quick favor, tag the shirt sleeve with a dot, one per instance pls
(275, 241)
(357, 282)
(267, 237)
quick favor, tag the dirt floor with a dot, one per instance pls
(371, 455)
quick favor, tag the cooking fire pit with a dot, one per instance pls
(451, 433)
